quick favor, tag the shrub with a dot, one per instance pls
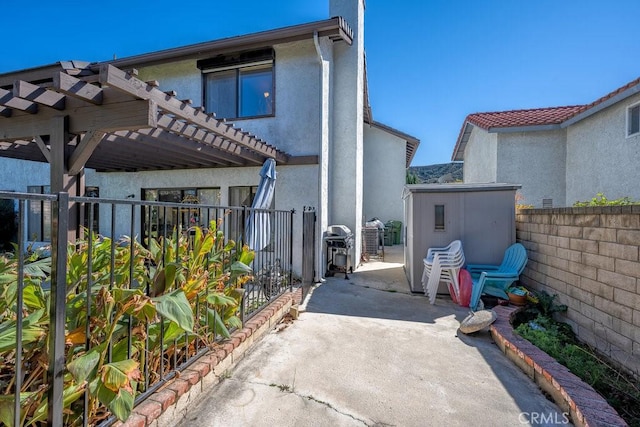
(601, 200)
(142, 310)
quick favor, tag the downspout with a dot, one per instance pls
(319, 268)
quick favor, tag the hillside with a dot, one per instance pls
(431, 173)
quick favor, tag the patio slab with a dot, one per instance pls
(365, 351)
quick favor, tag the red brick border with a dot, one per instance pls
(183, 389)
(586, 407)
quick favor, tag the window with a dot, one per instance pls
(39, 216)
(242, 196)
(633, 120)
(239, 85)
(159, 220)
(91, 192)
(439, 218)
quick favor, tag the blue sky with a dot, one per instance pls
(430, 62)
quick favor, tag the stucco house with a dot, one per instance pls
(560, 155)
(202, 119)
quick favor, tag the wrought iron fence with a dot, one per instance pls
(113, 302)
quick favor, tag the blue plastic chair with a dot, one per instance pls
(496, 279)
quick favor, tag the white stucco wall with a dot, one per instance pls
(346, 164)
(536, 160)
(600, 158)
(183, 77)
(384, 174)
(480, 157)
(16, 175)
(295, 126)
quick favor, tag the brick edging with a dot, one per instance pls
(169, 404)
(585, 406)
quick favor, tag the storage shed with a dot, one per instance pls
(482, 216)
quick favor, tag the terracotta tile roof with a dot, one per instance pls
(538, 116)
(517, 118)
(611, 95)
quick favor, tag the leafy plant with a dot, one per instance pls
(537, 324)
(601, 200)
(130, 311)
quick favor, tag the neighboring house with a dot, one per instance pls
(560, 155)
(297, 94)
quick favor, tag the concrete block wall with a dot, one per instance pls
(590, 258)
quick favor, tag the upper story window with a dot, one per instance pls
(633, 120)
(239, 85)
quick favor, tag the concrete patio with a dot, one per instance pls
(365, 351)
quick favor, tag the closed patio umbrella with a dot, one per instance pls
(258, 224)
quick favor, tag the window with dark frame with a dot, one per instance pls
(39, 215)
(633, 120)
(439, 218)
(159, 221)
(239, 85)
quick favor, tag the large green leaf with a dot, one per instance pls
(122, 404)
(171, 332)
(164, 279)
(241, 268)
(175, 307)
(220, 299)
(40, 268)
(246, 257)
(34, 297)
(85, 367)
(217, 324)
(31, 331)
(234, 322)
(118, 375)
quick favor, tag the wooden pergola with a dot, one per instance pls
(109, 120)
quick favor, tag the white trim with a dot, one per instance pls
(627, 114)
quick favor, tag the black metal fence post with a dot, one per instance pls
(293, 211)
(19, 306)
(57, 309)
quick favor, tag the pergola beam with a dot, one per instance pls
(213, 153)
(192, 132)
(154, 145)
(78, 88)
(84, 150)
(46, 152)
(39, 95)
(8, 99)
(109, 117)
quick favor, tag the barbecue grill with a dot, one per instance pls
(338, 242)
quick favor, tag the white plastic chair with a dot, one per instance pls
(442, 265)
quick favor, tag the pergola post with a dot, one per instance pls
(60, 180)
